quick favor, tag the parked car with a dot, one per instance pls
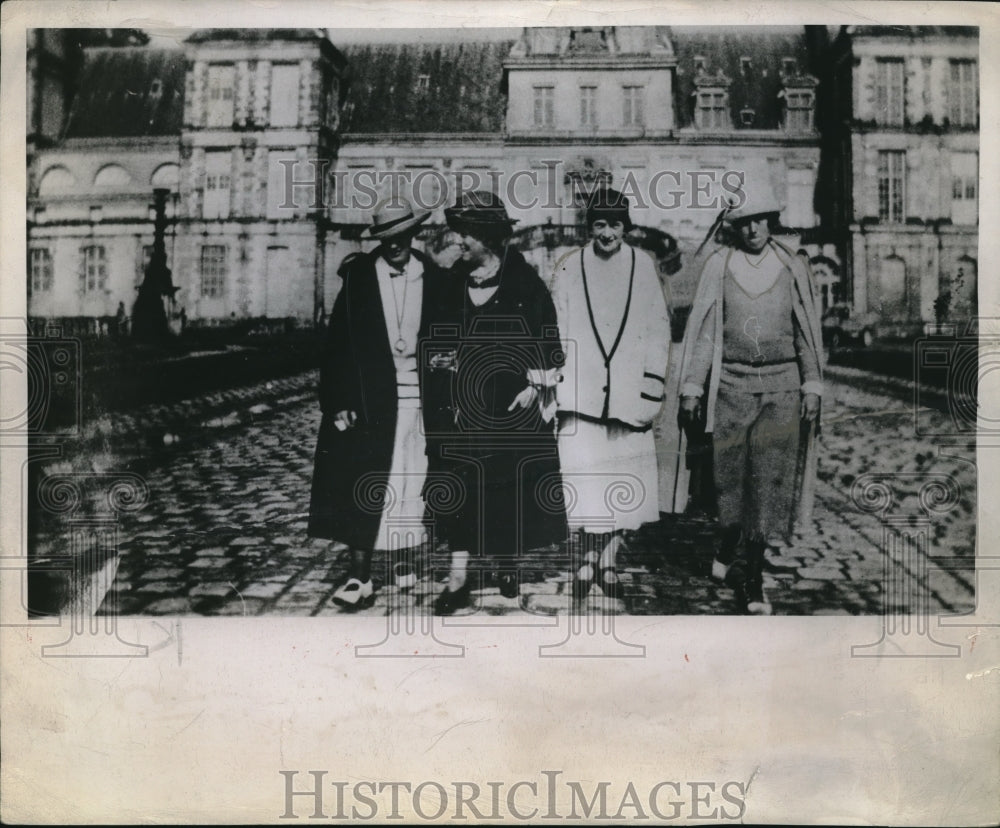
(842, 327)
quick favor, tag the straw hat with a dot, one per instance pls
(393, 216)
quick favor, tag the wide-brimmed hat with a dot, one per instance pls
(478, 210)
(758, 195)
(393, 216)
(611, 205)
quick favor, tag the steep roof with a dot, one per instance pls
(723, 48)
(915, 32)
(129, 92)
(460, 93)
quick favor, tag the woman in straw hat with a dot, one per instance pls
(371, 456)
(488, 406)
(613, 320)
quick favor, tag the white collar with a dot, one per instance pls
(413, 270)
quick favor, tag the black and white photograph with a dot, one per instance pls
(501, 321)
(583, 332)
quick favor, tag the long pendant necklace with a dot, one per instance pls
(400, 341)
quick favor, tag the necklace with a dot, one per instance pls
(400, 313)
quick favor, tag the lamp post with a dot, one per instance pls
(149, 317)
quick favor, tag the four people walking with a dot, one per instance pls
(456, 377)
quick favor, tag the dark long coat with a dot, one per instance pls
(358, 373)
(507, 463)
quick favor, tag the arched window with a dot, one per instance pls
(112, 175)
(166, 175)
(56, 180)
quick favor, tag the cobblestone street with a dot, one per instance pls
(229, 476)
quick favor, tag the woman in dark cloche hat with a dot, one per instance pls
(492, 352)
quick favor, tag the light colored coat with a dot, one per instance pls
(625, 382)
(708, 300)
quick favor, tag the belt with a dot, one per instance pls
(757, 363)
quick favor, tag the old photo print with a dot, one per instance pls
(445, 413)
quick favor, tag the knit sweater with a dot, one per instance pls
(616, 334)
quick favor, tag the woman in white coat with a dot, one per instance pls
(616, 334)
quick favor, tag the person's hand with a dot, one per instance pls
(688, 414)
(343, 420)
(526, 398)
(810, 407)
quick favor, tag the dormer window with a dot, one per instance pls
(156, 88)
(700, 64)
(799, 110)
(747, 116)
(745, 66)
(423, 83)
(789, 66)
(713, 109)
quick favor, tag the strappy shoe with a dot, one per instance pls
(450, 601)
(353, 594)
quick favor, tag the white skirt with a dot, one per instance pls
(401, 526)
(609, 475)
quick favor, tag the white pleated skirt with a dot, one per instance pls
(609, 474)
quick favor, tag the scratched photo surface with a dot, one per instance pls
(696, 422)
(403, 417)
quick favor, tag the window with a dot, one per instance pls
(213, 269)
(789, 66)
(747, 116)
(423, 83)
(632, 106)
(588, 106)
(889, 107)
(94, 275)
(217, 184)
(891, 186)
(963, 94)
(221, 82)
(699, 64)
(544, 106)
(964, 187)
(39, 270)
(798, 111)
(745, 66)
(285, 94)
(713, 110)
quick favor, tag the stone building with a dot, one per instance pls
(260, 134)
(910, 126)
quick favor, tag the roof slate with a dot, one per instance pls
(723, 50)
(460, 94)
(117, 94)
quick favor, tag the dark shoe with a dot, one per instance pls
(582, 582)
(448, 602)
(508, 585)
(354, 595)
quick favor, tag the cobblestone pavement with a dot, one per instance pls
(229, 478)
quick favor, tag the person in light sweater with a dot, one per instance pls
(752, 371)
(615, 331)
